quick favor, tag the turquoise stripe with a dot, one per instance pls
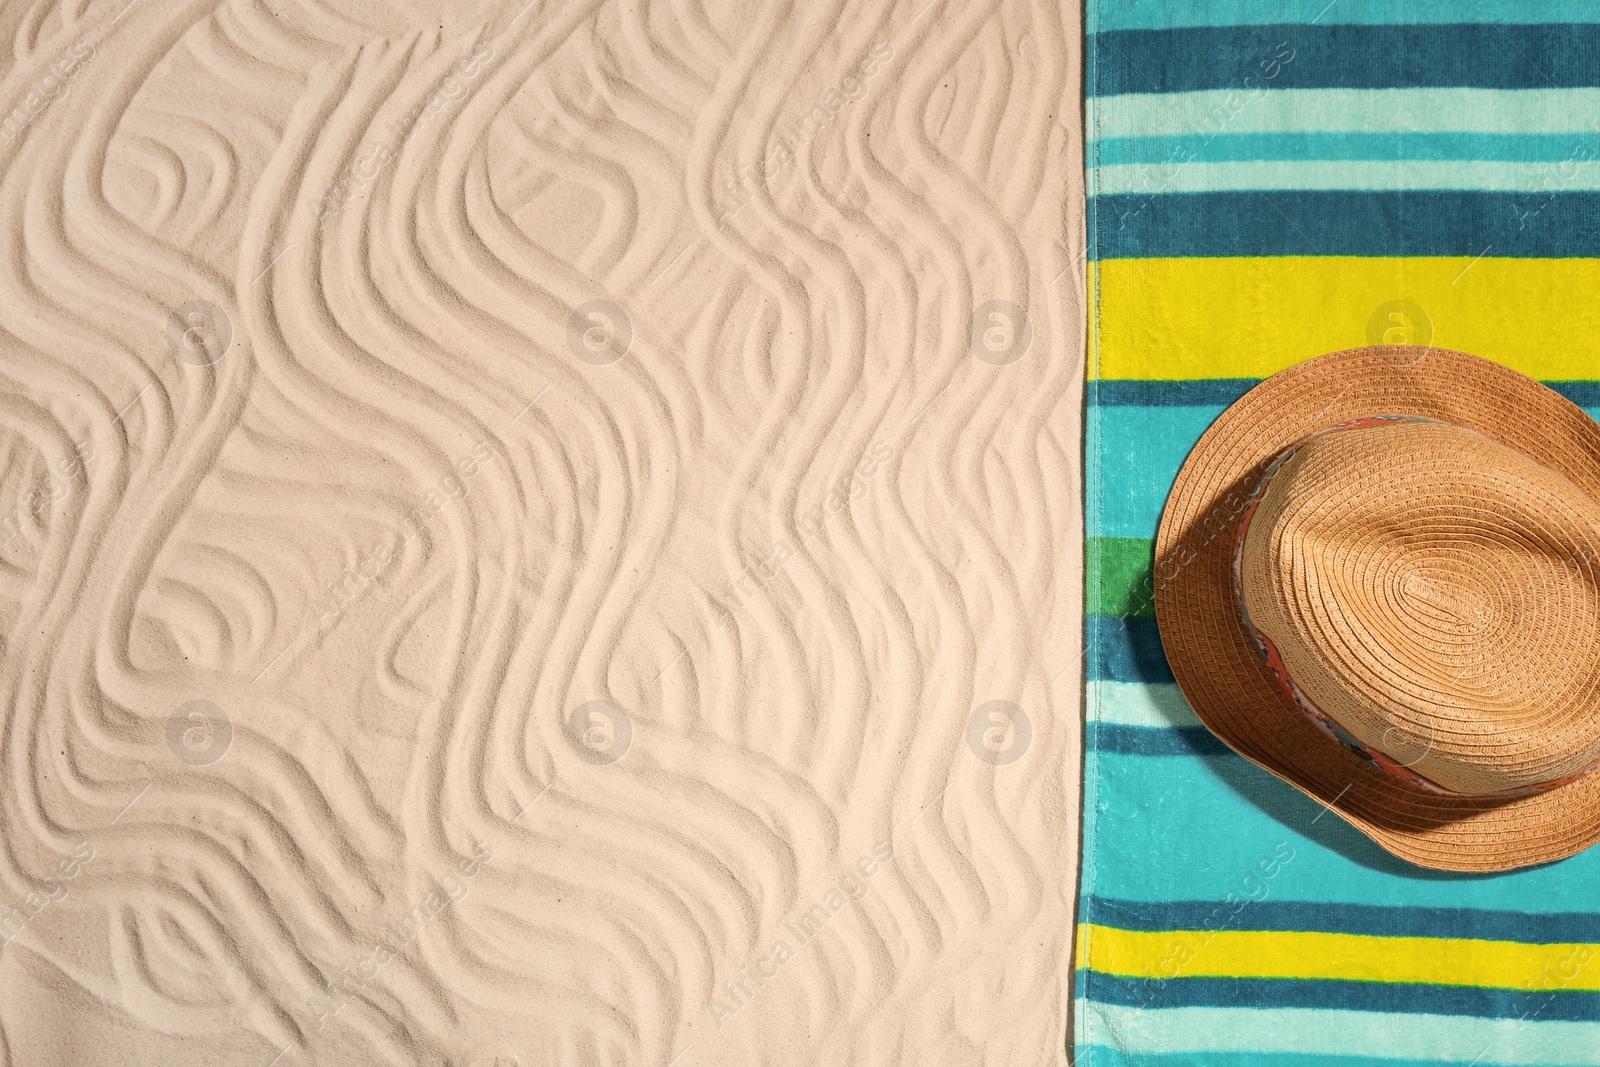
(1168, 14)
(1396, 145)
(1108, 1056)
(1184, 828)
(1144, 1032)
(1581, 174)
(1217, 112)
(1140, 450)
(1138, 704)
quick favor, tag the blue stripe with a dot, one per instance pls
(1406, 56)
(1192, 392)
(1560, 928)
(1397, 146)
(1338, 223)
(1221, 392)
(1161, 14)
(1528, 1005)
(1155, 740)
(1584, 394)
(1128, 650)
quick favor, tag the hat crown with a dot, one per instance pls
(1438, 595)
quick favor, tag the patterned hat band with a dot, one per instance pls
(1324, 722)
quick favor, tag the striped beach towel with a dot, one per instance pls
(1270, 180)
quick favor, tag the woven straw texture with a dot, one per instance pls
(1434, 592)
(1539, 518)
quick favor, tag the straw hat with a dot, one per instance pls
(1378, 577)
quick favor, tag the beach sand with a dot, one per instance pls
(539, 535)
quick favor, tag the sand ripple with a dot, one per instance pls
(514, 522)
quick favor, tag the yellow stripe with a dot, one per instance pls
(1249, 318)
(1355, 957)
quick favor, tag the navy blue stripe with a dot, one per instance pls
(1255, 58)
(1390, 145)
(1390, 997)
(1128, 650)
(1193, 392)
(1583, 394)
(1155, 740)
(1220, 392)
(1425, 222)
(1560, 928)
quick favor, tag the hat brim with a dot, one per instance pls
(1221, 673)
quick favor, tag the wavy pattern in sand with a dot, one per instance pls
(514, 524)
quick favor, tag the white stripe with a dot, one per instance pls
(1536, 178)
(1286, 1031)
(1345, 111)
(1138, 704)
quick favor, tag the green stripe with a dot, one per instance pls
(1120, 578)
